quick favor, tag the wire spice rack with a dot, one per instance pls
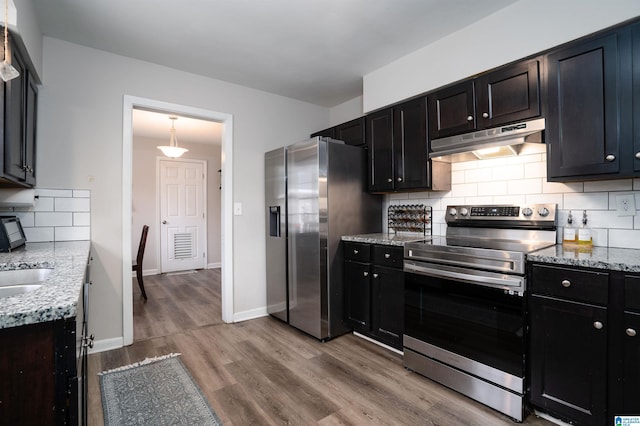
(411, 218)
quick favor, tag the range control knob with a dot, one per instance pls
(527, 211)
(464, 211)
(453, 211)
(543, 211)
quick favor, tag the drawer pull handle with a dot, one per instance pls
(566, 283)
(598, 325)
(387, 255)
(375, 275)
(366, 274)
(631, 332)
(355, 251)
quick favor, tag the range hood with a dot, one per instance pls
(513, 139)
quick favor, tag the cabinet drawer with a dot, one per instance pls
(358, 252)
(390, 256)
(572, 284)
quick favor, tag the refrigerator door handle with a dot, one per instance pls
(274, 221)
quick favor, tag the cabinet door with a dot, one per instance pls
(635, 40)
(508, 95)
(14, 165)
(568, 359)
(410, 152)
(380, 143)
(358, 295)
(352, 132)
(387, 317)
(582, 123)
(452, 110)
(30, 114)
(631, 371)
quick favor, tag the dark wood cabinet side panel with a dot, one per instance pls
(380, 143)
(27, 371)
(358, 295)
(327, 133)
(352, 132)
(14, 124)
(631, 371)
(635, 110)
(388, 305)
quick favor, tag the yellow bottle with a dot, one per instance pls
(584, 232)
(570, 235)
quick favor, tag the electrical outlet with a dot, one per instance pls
(626, 205)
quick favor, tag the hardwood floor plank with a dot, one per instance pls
(265, 372)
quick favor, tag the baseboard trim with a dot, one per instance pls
(145, 272)
(106, 345)
(217, 265)
(251, 314)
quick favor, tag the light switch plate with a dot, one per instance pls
(237, 209)
(626, 205)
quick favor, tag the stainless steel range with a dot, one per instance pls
(464, 304)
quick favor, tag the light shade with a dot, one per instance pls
(7, 71)
(172, 150)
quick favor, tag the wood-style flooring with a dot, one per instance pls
(264, 372)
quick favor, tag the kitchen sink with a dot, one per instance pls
(18, 281)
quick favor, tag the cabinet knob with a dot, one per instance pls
(630, 332)
(355, 251)
(598, 325)
(485, 115)
(399, 179)
(375, 275)
(638, 155)
(389, 180)
(566, 283)
(365, 274)
(387, 255)
(164, 222)
(610, 157)
(470, 118)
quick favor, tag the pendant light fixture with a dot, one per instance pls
(172, 150)
(7, 71)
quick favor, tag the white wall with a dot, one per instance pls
(29, 29)
(80, 146)
(485, 182)
(522, 29)
(145, 203)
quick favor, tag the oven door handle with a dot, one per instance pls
(503, 281)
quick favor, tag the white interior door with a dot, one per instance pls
(182, 214)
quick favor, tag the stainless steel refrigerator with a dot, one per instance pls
(315, 192)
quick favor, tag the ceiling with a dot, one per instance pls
(156, 125)
(312, 50)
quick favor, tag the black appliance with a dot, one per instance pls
(11, 233)
(464, 304)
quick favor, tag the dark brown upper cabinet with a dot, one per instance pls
(506, 95)
(399, 151)
(18, 128)
(352, 132)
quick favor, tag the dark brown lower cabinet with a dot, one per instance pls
(568, 360)
(38, 374)
(374, 288)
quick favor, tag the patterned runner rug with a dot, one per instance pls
(156, 391)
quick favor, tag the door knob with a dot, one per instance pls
(631, 332)
(164, 222)
(598, 325)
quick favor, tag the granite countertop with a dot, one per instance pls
(389, 239)
(611, 258)
(59, 294)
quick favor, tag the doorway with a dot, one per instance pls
(225, 184)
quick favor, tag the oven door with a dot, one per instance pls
(475, 328)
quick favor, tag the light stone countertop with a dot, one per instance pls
(384, 238)
(59, 294)
(610, 258)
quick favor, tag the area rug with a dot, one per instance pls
(156, 391)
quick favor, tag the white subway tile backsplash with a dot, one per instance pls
(609, 185)
(75, 233)
(72, 204)
(54, 192)
(81, 219)
(624, 238)
(53, 219)
(43, 204)
(39, 235)
(583, 201)
(522, 180)
(26, 218)
(81, 193)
